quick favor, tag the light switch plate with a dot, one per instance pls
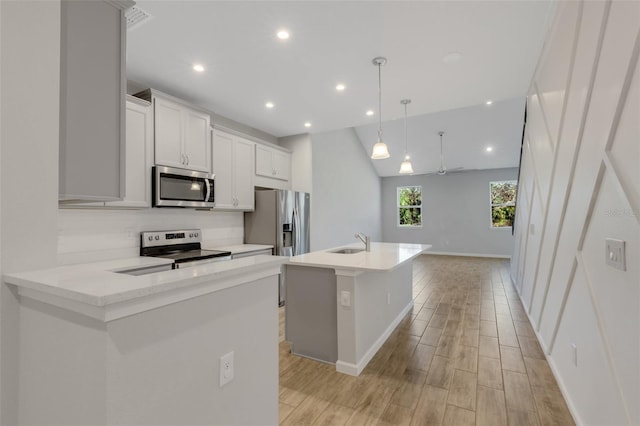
(615, 254)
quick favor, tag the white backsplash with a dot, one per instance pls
(88, 235)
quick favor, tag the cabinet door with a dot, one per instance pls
(243, 168)
(139, 150)
(196, 140)
(168, 133)
(222, 168)
(263, 161)
(281, 164)
(93, 35)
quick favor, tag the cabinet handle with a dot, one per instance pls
(187, 159)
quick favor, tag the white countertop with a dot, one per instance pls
(98, 284)
(382, 257)
(238, 248)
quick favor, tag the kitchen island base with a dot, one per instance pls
(344, 316)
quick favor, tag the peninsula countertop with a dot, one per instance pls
(97, 288)
(382, 257)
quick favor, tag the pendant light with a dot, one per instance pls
(380, 150)
(405, 166)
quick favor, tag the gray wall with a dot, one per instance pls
(301, 163)
(346, 191)
(455, 213)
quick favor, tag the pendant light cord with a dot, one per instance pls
(380, 101)
(405, 130)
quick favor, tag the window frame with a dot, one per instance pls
(398, 206)
(492, 205)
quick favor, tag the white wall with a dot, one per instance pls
(346, 191)
(301, 161)
(455, 213)
(91, 235)
(580, 184)
(29, 110)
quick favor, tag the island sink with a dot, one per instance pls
(347, 251)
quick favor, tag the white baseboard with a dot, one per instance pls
(552, 365)
(356, 369)
(446, 253)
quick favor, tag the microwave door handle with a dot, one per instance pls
(208, 194)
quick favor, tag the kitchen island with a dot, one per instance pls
(100, 346)
(342, 304)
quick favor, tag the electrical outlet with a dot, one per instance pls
(345, 299)
(131, 234)
(615, 253)
(226, 368)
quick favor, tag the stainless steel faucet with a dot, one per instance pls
(366, 240)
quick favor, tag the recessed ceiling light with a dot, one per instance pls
(307, 124)
(269, 105)
(283, 34)
(452, 57)
(198, 68)
(489, 102)
(370, 113)
(340, 87)
(489, 149)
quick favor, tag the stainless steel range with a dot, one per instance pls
(182, 246)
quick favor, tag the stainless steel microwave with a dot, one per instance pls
(173, 187)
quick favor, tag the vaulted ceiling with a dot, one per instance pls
(443, 55)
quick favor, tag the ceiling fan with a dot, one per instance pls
(443, 170)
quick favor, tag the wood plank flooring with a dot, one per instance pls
(465, 355)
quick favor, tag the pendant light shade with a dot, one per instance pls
(405, 166)
(380, 150)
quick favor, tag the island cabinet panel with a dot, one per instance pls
(310, 312)
(92, 101)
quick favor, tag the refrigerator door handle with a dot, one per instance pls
(294, 233)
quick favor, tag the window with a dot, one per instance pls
(503, 203)
(409, 206)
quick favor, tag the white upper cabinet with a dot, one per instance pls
(272, 163)
(139, 155)
(181, 132)
(244, 173)
(168, 133)
(233, 167)
(92, 58)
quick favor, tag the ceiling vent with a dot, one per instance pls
(136, 17)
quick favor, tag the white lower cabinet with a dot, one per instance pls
(233, 167)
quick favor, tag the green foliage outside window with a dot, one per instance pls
(410, 206)
(503, 203)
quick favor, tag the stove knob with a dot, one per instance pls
(196, 235)
(157, 237)
(190, 235)
(150, 237)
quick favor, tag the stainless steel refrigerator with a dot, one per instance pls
(281, 219)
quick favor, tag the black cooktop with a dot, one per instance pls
(192, 255)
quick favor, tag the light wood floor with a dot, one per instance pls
(465, 355)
